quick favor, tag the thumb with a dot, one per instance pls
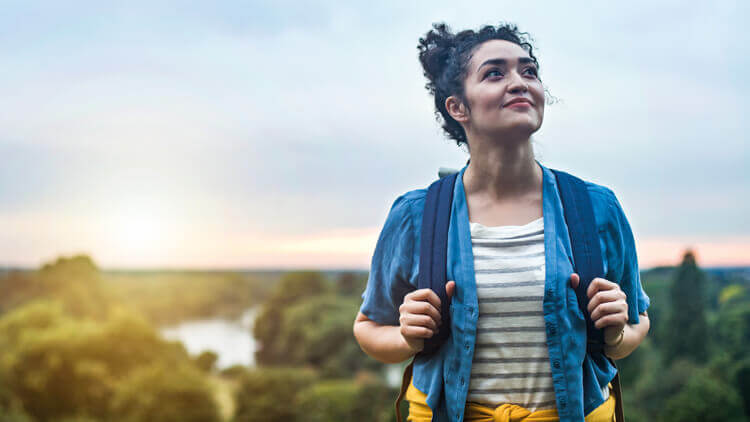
(574, 280)
(450, 288)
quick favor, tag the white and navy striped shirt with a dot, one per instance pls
(511, 363)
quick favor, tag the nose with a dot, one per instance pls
(517, 83)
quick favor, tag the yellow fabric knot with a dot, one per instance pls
(508, 413)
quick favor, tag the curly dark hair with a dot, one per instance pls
(445, 57)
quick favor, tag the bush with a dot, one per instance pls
(270, 394)
(705, 399)
(206, 360)
(346, 400)
(165, 394)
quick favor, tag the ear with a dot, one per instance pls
(456, 109)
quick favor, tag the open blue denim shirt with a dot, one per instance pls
(578, 377)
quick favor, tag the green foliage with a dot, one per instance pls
(704, 398)
(304, 324)
(269, 394)
(75, 282)
(56, 365)
(234, 371)
(688, 330)
(13, 415)
(732, 293)
(206, 360)
(318, 332)
(346, 400)
(351, 284)
(733, 328)
(40, 362)
(170, 297)
(292, 288)
(742, 383)
(165, 394)
(295, 394)
(656, 385)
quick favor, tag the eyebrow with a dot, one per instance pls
(503, 62)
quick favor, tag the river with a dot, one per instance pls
(230, 339)
(233, 342)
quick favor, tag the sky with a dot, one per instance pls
(277, 134)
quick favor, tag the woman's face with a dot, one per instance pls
(505, 95)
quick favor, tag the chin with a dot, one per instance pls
(521, 128)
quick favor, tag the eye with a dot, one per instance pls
(493, 72)
(532, 71)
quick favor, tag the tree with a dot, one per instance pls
(347, 400)
(350, 284)
(269, 394)
(165, 394)
(292, 288)
(58, 366)
(318, 332)
(705, 398)
(687, 330)
(206, 360)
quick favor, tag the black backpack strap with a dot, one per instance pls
(433, 252)
(587, 260)
(584, 240)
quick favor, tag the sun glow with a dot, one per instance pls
(138, 231)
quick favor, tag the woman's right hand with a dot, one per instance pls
(420, 316)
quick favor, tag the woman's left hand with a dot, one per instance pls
(607, 306)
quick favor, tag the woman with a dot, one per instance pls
(518, 340)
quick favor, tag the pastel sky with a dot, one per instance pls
(277, 134)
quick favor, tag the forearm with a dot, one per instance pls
(382, 342)
(632, 338)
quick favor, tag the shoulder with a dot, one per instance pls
(600, 194)
(607, 210)
(408, 206)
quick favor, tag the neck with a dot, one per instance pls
(502, 170)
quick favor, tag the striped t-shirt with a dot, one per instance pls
(511, 363)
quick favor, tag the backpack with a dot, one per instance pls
(587, 255)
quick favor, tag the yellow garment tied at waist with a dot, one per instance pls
(474, 412)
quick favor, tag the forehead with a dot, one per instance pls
(496, 49)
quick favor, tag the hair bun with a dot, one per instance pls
(435, 51)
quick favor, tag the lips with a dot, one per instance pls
(517, 101)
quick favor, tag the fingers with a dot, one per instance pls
(424, 294)
(420, 312)
(418, 320)
(604, 297)
(618, 319)
(599, 284)
(414, 305)
(450, 288)
(411, 331)
(574, 280)
(608, 309)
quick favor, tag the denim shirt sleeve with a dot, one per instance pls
(621, 260)
(391, 269)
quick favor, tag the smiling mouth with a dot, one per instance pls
(521, 104)
(524, 103)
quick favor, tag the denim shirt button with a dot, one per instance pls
(462, 381)
(466, 346)
(556, 364)
(552, 330)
